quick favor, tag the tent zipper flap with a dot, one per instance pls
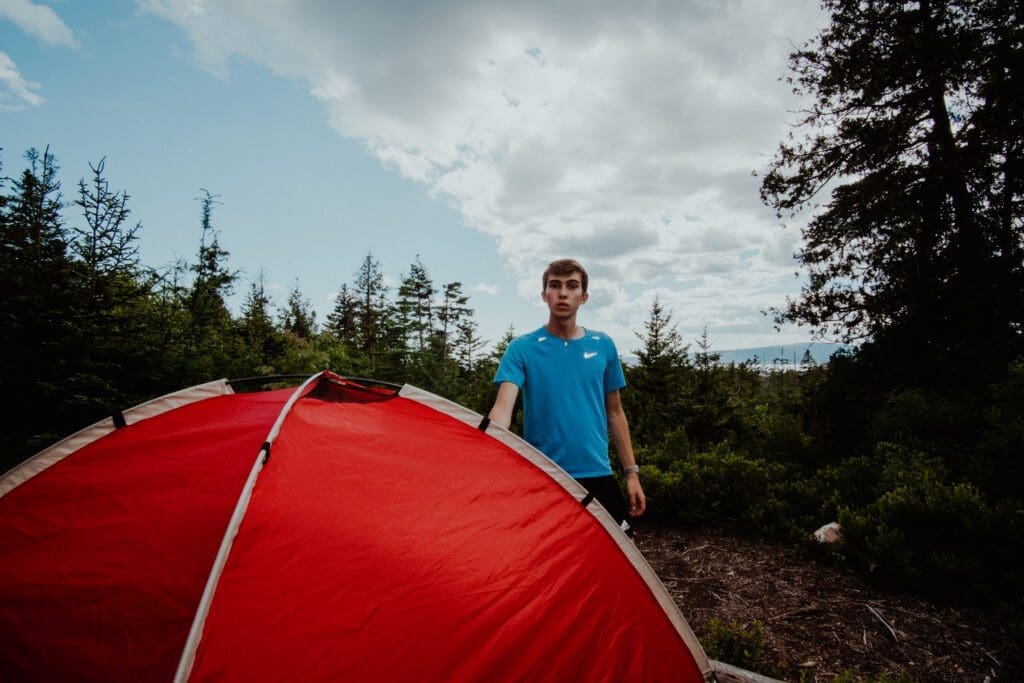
(53, 454)
(573, 487)
(198, 623)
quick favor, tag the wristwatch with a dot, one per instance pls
(631, 468)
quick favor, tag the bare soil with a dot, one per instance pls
(819, 622)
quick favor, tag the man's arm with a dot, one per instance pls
(619, 427)
(504, 404)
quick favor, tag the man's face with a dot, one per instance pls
(564, 294)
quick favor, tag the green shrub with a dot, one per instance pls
(720, 488)
(859, 481)
(941, 539)
(741, 645)
(918, 420)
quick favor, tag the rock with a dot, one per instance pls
(830, 533)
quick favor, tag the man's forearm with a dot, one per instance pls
(504, 405)
(621, 441)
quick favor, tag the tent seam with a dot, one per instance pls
(191, 647)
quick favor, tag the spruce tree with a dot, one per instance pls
(450, 311)
(297, 316)
(415, 305)
(39, 300)
(343, 318)
(212, 346)
(659, 381)
(258, 329)
(107, 243)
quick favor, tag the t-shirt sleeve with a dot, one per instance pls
(512, 368)
(614, 379)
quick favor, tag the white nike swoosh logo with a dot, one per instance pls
(589, 354)
(540, 339)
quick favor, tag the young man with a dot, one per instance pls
(570, 378)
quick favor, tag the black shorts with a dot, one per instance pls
(606, 490)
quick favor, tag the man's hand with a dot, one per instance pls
(635, 495)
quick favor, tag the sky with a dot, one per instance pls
(484, 138)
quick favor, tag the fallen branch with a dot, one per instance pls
(884, 622)
(687, 552)
(810, 609)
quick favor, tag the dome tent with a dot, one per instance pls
(336, 531)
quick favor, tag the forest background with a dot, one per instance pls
(909, 163)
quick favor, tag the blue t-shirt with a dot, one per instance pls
(564, 383)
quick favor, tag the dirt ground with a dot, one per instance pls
(819, 622)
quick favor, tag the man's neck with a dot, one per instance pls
(564, 329)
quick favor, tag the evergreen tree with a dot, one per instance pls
(450, 311)
(663, 348)
(372, 308)
(381, 339)
(257, 327)
(38, 299)
(213, 348)
(298, 316)
(499, 349)
(107, 244)
(213, 281)
(415, 304)
(711, 418)
(342, 322)
(122, 357)
(467, 344)
(915, 134)
(659, 381)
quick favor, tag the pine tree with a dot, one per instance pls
(415, 305)
(467, 344)
(124, 351)
(913, 149)
(212, 348)
(343, 319)
(107, 244)
(298, 316)
(39, 299)
(450, 311)
(213, 280)
(257, 327)
(659, 381)
(372, 308)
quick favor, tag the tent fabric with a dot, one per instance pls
(380, 537)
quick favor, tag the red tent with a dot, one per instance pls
(332, 532)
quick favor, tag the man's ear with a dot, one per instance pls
(583, 299)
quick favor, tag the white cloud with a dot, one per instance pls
(19, 92)
(484, 288)
(623, 134)
(39, 21)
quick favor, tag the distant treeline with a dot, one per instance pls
(87, 329)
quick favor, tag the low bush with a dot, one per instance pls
(741, 645)
(942, 539)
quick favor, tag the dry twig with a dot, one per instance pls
(884, 622)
